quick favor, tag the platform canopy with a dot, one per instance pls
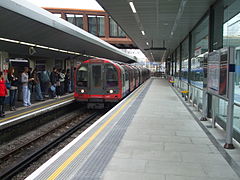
(164, 22)
(24, 22)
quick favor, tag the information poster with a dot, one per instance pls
(217, 72)
(223, 71)
(213, 72)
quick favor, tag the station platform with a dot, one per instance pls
(25, 113)
(150, 135)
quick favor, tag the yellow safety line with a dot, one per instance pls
(17, 115)
(87, 142)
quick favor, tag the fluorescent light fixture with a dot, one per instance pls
(143, 33)
(43, 47)
(147, 43)
(53, 49)
(132, 7)
(60, 50)
(71, 52)
(27, 44)
(9, 40)
(39, 46)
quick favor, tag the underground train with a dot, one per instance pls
(102, 82)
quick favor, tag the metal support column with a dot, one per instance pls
(229, 125)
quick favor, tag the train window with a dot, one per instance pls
(96, 75)
(111, 76)
(82, 76)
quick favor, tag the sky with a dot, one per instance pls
(77, 4)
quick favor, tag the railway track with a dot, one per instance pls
(27, 160)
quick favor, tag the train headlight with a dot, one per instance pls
(111, 91)
(82, 91)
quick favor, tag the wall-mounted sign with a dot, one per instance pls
(217, 72)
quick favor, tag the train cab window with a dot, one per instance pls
(97, 76)
(111, 76)
(82, 76)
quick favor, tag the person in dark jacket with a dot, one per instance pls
(13, 80)
(3, 93)
(54, 79)
(67, 81)
(37, 85)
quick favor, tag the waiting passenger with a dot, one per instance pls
(13, 80)
(3, 93)
(62, 81)
(25, 89)
(37, 85)
(31, 83)
(53, 78)
(67, 82)
(45, 82)
(58, 84)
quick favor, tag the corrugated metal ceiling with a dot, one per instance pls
(158, 18)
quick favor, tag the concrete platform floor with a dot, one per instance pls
(164, 142)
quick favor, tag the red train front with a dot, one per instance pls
(101, 82)
(98, 82)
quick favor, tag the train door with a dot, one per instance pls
(96, 79)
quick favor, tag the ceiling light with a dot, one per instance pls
(27, 44)
(132, 7)
(143, 33)
(147, 43)
(9, 40)
(43, 47)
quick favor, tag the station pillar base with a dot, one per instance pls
(229, 146)
(203, 119)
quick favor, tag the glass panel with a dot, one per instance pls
(92, 24)
(121, 32)
(111, 76)
(113, 28)
(178, 62)
(97, 75)
(70, 18)
(236, 119)
(79, 21)
(101, 27)
(185, 48)
(82, 76)
(231, 27)
(199, 47)
(231, 34)
(237, 77)
(221, 111)
(173, 64)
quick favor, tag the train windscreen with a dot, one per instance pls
(111, 76)
(97, 75)
(82, 76)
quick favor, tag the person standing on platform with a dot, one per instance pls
(25, 89)
(62, 81)
(54, 79)
(3, 93)
(45, 82)
(13, 80)
(67, 81)
(58, 84)
(36, 83)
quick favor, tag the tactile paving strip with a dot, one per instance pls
(77, 168)
(99, 159)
